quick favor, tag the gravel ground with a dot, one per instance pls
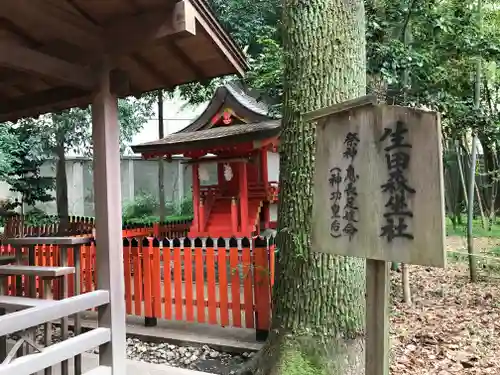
(202, 358)
(195, 358)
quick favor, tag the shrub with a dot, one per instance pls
(144, 209)
(36, 217)
(144, 204)
(186, 207)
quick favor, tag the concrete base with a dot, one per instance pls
(232, 340)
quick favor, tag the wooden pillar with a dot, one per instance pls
(264, 167)
(220, 175)
(267, 215)
(201, 216)
(196, 197)
(161, 165)
(243, 182)
(234, 216)
(107, 190)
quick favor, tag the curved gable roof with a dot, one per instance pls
(236, 97)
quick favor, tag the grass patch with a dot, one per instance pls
(477, 229)
(296, 363)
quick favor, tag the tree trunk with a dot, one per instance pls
(62, 188)
(472, 182)
(494, 192)
(458, 149)
(161, 170)
(405, 275)
(318, 300)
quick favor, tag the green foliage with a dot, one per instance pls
(255, 27)
(149, 220)
(8, 143)
(477, 229)
(36, 217)
(440, 58)
(73, 127)
(145, 206)
(186, 207)
(296, 363)
(26, 154)
(266, 73)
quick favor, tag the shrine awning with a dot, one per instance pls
(213, 140)
(50, 49)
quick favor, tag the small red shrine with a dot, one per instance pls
(236, 133)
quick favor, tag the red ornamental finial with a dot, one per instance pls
(226, 118)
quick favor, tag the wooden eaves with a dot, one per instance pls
(49, 50)
(211, 139)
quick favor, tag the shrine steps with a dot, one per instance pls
(218, 223)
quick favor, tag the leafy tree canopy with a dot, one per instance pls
(439, 59)
(23, 154)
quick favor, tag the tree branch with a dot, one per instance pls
(407, 19)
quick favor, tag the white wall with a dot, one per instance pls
(273, 166)
(137, 176)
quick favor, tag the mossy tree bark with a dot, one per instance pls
(318, 317)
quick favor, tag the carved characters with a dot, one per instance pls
(335, 196)
(345, 222)
(350, 208)
(397, 186)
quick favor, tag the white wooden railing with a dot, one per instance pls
(60, 352)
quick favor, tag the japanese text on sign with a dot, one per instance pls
(350, 209)
(397, 187)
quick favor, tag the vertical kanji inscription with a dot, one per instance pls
(335, 180)
(397, 188)
(350, 208)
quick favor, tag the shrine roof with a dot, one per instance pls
(50, 50)
(237, 97)
(182, 142)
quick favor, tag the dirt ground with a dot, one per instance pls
(453, 326)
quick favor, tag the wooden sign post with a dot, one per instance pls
(378, 195)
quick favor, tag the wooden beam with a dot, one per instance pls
(38, 15)
(152, 70)
(58, 241)
(216, 159)
(119, 37)
(55, 99)
(149, 28)
(186, 60)
(367, 100)
(23, 59)
(41, 271)
(43, 101)
(225, 46)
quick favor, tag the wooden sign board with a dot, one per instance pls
(378, 186)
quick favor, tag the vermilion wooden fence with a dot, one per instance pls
(223, 282)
